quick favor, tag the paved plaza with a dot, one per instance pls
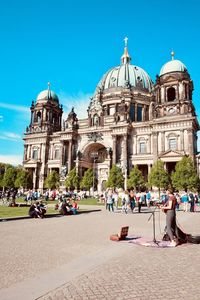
(71, 257)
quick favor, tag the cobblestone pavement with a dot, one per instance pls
(72, 258)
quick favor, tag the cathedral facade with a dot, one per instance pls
(131, 121)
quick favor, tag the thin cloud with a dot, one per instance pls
(11, 159)
(18, 108)
(79, 101)
(10, 136)
(1, 118)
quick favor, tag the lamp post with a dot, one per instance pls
(94, 155)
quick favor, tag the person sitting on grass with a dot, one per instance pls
(34, 211)
(74, 207)
(42, 208)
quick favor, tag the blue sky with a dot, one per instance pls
(73, 43)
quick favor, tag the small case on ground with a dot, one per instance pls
(121, 236)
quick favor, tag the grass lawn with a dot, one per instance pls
(87, 201)
(6, 211)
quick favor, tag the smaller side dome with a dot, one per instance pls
(173, 66)
(47, 95)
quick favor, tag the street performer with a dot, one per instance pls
(173, 232)
(170, 210)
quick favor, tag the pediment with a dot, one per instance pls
(170, 153)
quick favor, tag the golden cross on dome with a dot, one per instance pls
(126, 41)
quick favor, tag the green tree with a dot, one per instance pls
(52, 181)
(115, 179)
(72, 180)
(2, 171)
(185, 176)
(87, 180)
(136, 180)
(23, 179)
(159, 176)
(9, 177)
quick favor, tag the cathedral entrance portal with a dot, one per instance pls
(96, 157)
(170, 166)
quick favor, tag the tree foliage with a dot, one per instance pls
(72, 180)
(115, 179)
(136, 180)
(185, 176)
(9, 177)
(52, 181)
(158, 176)
(23, 179)
(2, 171)
(87, 180)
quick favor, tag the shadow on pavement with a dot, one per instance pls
(48, 216)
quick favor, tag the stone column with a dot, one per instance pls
(114, 149)
(135, 144)
(143, 113)
(29, 150)
(125, 162)
(162, 141)
(149, 169)
(190, 143)
(162, 94)
(135, 112)
(151, 146)
(25, 152)
(70, 156)
(62, 153)
(181, 90)
(155, 146)
(188, 91)
(177, 92)
(34, 178)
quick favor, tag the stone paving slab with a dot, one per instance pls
(73, 258)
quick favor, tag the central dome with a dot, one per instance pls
(126, 75)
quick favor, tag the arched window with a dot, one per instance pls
(96, 120)
(171, 94)
(38, 116)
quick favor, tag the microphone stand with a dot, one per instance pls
(154, 226)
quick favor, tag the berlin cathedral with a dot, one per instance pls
(131, 121)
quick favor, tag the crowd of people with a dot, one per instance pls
(128, 200)
(67, 206)
(131, 200)
(9, 196)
